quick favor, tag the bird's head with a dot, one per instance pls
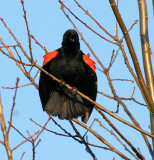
(71, 39)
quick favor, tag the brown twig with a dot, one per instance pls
(112, 59)
(93, 145)
(17, 87)
(14, 98)
(50, 117)
(17, 130)
(4, 132)
(133, 92)
(59, 134)
(2, 142)
(135, 22)
(89, 127)
(8, 46)
(38, 43)
(25, 141)
(20, 59)
(28, 31)
(22, 156)
(122, 80)
(16, 60)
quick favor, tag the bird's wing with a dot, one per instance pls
(89, 83)
(46, 83)
(88, 86)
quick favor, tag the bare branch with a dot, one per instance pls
(8, 46)
(59, 134)
(22, 156)
(28, 31)
(38, 43)
(14, 98)
(83, 141)
(4, 131)
(25, 141)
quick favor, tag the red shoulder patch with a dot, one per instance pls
(89, 61)
(49, 56)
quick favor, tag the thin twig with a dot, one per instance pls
(22, 156)
(133, 92)
(43, 127)
(59, 134)
(122, 80)
(17, 130)
(83, 141)
(131, 27)
(38, 43)
(20, 58)
(4, 132)
(17, 87)
(74, 137)
(14, 98)
(28, 31)
(8, 46)
(2, 142)
(25, 141)
(89, 127)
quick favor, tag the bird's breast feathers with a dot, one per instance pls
(49, 56)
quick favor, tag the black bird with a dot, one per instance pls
(70, 65)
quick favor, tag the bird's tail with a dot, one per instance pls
(66, 105)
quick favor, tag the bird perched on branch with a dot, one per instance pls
(70, 65)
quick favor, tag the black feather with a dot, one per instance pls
(70, 67)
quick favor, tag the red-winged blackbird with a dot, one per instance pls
(70, 65)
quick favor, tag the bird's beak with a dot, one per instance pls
(72, 39)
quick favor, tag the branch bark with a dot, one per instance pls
(146, 55)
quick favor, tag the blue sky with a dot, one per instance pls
(48, 23)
